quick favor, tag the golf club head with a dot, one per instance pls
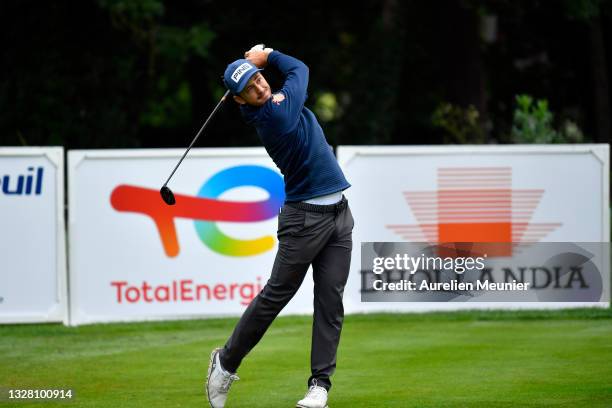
(167, 195)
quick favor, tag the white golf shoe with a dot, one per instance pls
(316, 397)
(218, 381)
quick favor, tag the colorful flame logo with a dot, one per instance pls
(208, 210)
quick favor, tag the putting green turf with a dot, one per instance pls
(464, 359)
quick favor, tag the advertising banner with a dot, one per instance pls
(519, 195)
(32, 243)
(133, 257)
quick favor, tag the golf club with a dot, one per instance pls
(165, 191)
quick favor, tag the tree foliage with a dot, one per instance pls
(145, 73)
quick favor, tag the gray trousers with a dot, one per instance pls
(320, 235)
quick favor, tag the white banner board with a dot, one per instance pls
(32, 243)
(511, 193)
(132, 257)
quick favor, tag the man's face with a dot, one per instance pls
(256, 92)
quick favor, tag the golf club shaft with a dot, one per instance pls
(198, 135)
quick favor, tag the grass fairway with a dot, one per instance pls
(465, 359)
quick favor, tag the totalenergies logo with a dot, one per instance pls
(477, 205)
(206, 209)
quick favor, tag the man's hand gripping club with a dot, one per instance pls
(258, 55)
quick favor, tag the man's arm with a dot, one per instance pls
(294, 90)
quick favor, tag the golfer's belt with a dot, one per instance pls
(331, 208)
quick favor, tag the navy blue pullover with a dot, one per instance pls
(292, 136)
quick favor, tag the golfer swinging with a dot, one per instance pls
(314, 226)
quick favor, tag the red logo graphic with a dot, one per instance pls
(278, 98)
(475, 204)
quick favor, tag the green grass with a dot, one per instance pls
(463, 359)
